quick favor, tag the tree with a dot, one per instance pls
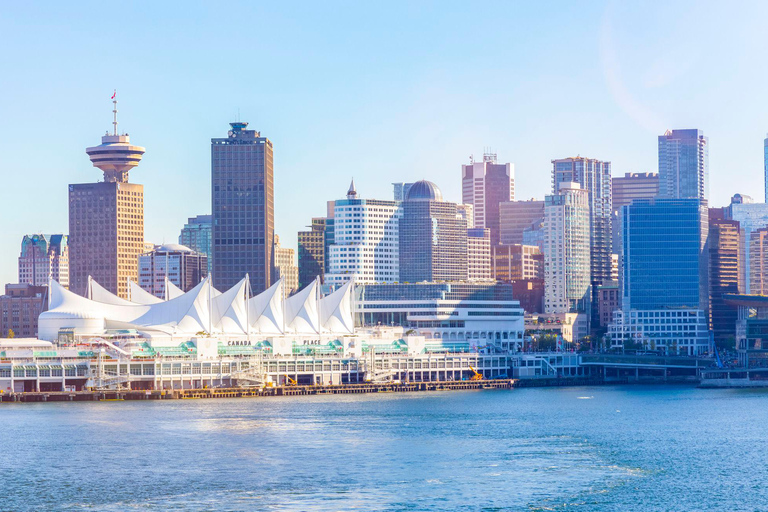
(11, 334)
(547, 342)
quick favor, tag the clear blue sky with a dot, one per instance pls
(382, 91)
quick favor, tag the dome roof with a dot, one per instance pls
(172, 248)
(424, 191)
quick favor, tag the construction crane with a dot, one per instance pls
(476, 376)
(289, 381)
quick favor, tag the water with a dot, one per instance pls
(589, 448)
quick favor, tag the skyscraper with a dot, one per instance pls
(593, 176)
(433, 237)
(665, 276)
(625, 189)
(365, 241)
(765, 166)
(42, 258)
(312, 252)
(196, 234)
(683, 165)
(242, 188)
(479, 266)
(566, 250)
(751, 217)
(726, 276)
(400, 190)
(106, 219)
(484, 185)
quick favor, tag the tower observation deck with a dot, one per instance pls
(115, 156)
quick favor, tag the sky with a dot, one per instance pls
(378, 91)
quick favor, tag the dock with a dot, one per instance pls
(254, 392)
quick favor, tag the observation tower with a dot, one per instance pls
(115, 155)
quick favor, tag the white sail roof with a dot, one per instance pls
(229, 310)
(189, 313)
(171, 290)
(301, 315)
(141, 296)
(100, 294)
(265, 310)
(336, 311)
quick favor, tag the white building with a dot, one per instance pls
(479, 266)
(366, 241)
(672, 331)
(42, 258)
(566, 250)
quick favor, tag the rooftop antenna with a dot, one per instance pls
(114, 111)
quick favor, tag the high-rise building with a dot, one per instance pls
(466, 212)
(751, 216)
(401, 190)
(312, 252)
(365, 245)
(758, 258)
(593, 176)
(633, 185)
(517, 262)
(285, 268)
(242, 187)
(517, 216)
(19, 309)
(479, 255)
(567, 250)
(196, 234)
(42, 258)
(181, 265)
(433, 237)
(106, 219)
(683, 165)
(665, 277)
(726, 275)
(484, 185)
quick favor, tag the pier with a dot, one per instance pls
(245, 392)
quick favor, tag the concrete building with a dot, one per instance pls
(517, 216)
(758, 271)
(106, 219)
(479, 255)
(530, 293)
(567, 250)
(19, 309)
(42, 258)
(197, 234)
(181, 265)
(751, 216)
(485, 315)
(433, 237)
(285, 268)
(466, 212)
(517, 262)
(243, 200)
(594, 176)
(683, 165)
(312, 252)
(665, 277)
(365, 245)
(485, 185)
(726, 275)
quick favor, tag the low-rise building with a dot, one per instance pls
(608, 301)
(19, 309)
(674, 331)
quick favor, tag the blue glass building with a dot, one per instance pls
(665, 254)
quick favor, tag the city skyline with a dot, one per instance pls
(175, 114)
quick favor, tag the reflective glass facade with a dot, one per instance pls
(683, 165)
(665, 254)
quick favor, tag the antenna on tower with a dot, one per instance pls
(114, 111)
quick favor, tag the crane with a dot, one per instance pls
(289, 381)
(476, 376)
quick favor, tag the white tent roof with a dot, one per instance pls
(100, 294)
(171, 290)
(141, 296)
(265, 310)
(228, 310)
(301, 315)
(336, 311)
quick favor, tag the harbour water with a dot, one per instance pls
(586, 448)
